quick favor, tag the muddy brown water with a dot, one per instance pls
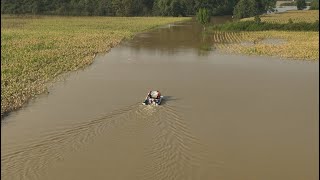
(224, 116)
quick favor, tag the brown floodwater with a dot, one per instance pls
(224, 116)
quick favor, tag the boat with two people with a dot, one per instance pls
(153, 98)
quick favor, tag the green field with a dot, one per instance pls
(36, 49)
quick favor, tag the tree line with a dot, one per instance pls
(135, 7)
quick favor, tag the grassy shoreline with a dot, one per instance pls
(37, 49)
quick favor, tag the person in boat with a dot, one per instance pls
(153, 96)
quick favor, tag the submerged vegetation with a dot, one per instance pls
(264, 26)
(285, 44)
(34, 50)
(296, 16)
(203, 17)
(288, 35)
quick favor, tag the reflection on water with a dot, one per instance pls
(168, 40)
(173, 38)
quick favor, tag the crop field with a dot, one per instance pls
(285, 44)
(302, 45)
(296, 16)
(36, 49)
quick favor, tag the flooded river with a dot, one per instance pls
(224, 117)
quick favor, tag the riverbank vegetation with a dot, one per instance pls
(36, 49)
(293, 34)
(203, 17)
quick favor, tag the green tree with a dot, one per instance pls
(122, 7)
(264, 6)
(203, 17)
(161, 7)
(301, 4)
(35, 7)
(314, 5)
(90, 7)
(177, 8)
(245, 8)
(169, 8)
(224, 7)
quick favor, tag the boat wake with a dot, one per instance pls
(174, 154)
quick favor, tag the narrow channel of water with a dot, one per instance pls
(224, 116)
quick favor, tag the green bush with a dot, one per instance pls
(314, 5)
(203, 17)
(301, 4)
(245, 8)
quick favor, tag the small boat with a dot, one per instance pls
(153, 101)
(153, 98)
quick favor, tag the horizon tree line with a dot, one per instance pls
(136, 7)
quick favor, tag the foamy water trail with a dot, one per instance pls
(176, 153)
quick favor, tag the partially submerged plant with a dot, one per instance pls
(257, 19)
(203, 17)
